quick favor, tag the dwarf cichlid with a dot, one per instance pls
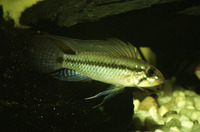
(110, 61)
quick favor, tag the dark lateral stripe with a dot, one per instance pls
(104, 65)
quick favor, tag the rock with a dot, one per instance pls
(159, 130)
(174, 129)
(178, 93)
(181, 104)
(164, 100)
(147, 103)
(136, 103)
(170, 117)
(69, 13)
(196, 101)
(155, 115)
(173, 123)
(183, 117)
(196, 128)
(186, 125)
(163, 110)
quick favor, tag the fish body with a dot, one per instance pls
(110, 61)
(107, 68)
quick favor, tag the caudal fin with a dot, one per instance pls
(44, 55)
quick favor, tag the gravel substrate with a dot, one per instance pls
(175, 110)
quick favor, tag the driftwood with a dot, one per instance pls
(71, 12)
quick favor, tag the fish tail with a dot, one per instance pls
(44, 55)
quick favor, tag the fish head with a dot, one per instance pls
(151, 77)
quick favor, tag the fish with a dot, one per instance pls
(110, 61)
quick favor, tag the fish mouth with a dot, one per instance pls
(156, 83)
(159, 82)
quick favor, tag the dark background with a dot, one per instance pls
(31, 101)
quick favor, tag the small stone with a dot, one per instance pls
(190, 93)
(187, 125)
(141, 115)
(189, 103)
(198, 119)
(174, 129)
(194, 116)
(136, 104)
(181, 103)
(164, 100)
(172, 116)
(196, 101)
(178, 93)
(163, 110)
(171, 112)
(150, 123)
(196, 128)
(147, 103)
(186, 112)
(159, 130)
(173, 123)
(184, 118)
(154, 114)
(179, 98)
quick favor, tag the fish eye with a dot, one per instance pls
(150, 72)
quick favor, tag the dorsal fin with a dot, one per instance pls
(62, 46)
(109, 46)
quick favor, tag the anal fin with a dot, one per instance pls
(69, 75)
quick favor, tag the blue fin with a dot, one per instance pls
(112, 91)
(69, 75)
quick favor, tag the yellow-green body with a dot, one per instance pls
(114, 70)
(110, 61)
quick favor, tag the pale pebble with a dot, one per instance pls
(141, 115)
(179, 98)
(174, 129)
(172, 116)
(178, 93)
(187, 112)
(187, 124)
(190, 107)
(196, 128)
(194, 116)
(189, 102)
(190, 93)
(196, 101)
(168, 119)
(181, 103)
(184, 118)
(147, 103)
(164, 100)
(163, 110)
(173, 123)
(154, 114)
(198, 119)
(159, 130)
(136, 103)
